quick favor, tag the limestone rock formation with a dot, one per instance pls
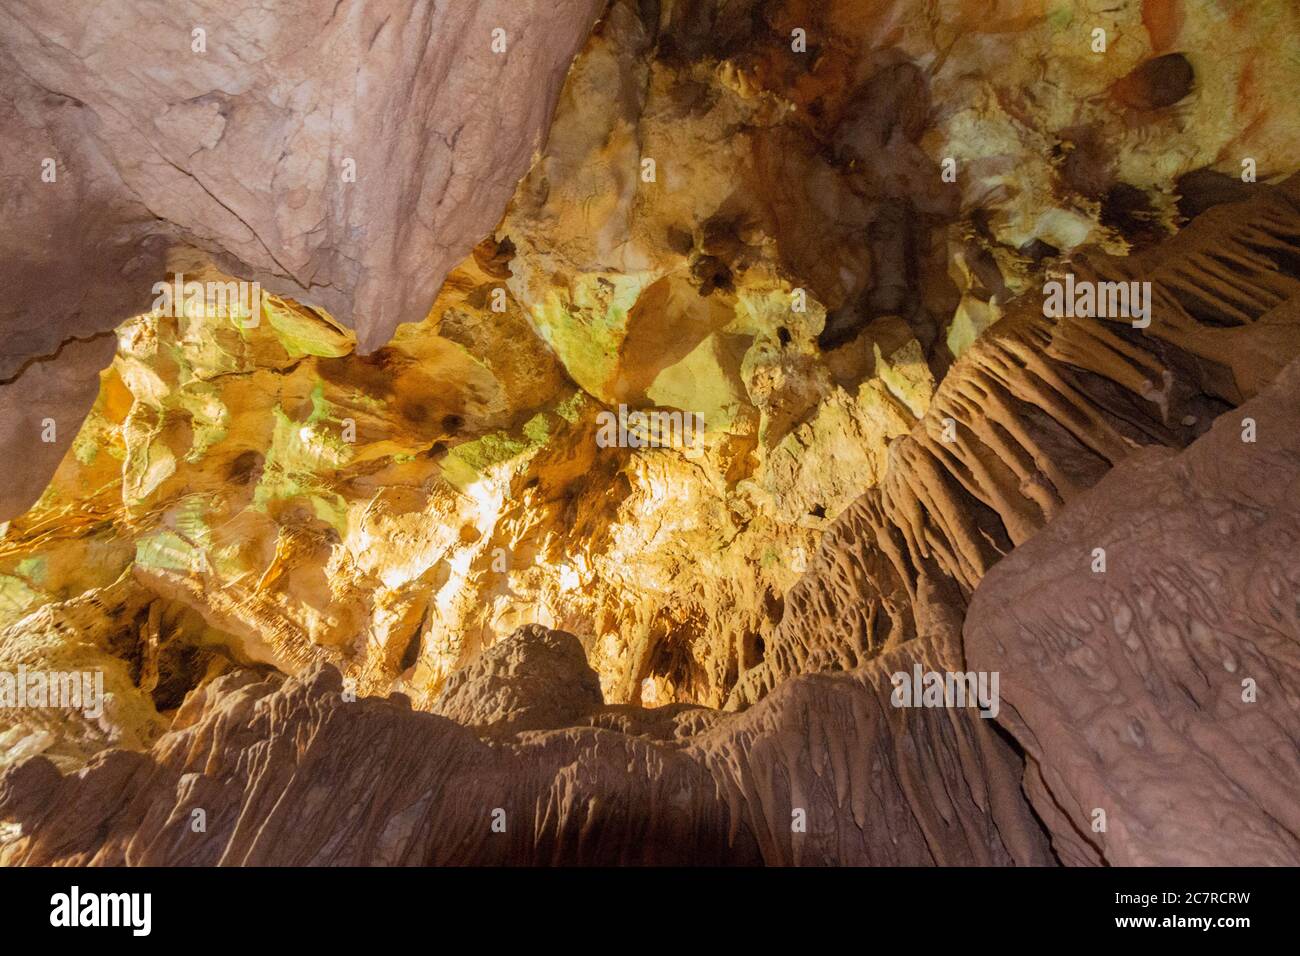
(1037, 411)
(44, 400)
(613, 459)
(535, 679)
(288, 772)
(349, 154)
(1161, 689)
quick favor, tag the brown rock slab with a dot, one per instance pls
(1162, 691)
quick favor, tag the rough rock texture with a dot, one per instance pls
(835, 255)
(151, 653)
(1164, 689)
(1037, 411)
(474, 464)
(349, 154)
(537, 678)
(882, 785)
(288, 772)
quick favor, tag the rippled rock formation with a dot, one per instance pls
(874, 783)
(1034, 414)
(259, 770)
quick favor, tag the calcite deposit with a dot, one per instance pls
(638, 398)
(1160, 688)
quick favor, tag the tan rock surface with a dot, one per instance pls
(1037, 411)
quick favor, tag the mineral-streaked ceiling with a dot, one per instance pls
(821, 227)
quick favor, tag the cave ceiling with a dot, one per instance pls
(659, 378)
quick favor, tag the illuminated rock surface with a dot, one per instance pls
(677, 651)
(346, 152)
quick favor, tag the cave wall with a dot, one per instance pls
(1039, 410)
(1160, 687)
(1124, 695)
(242, 574)
(291, 772)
